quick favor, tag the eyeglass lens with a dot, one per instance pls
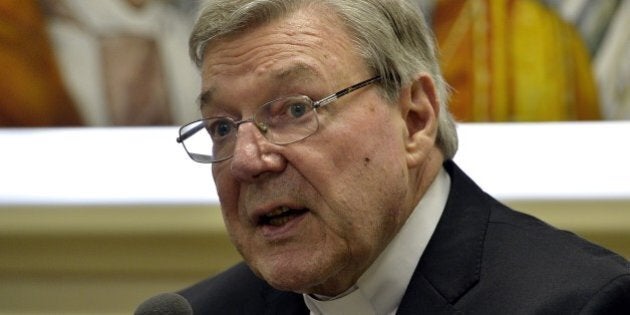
(282, 121)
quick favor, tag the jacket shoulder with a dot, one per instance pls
(239, 291)
(234, 291)
(522, 264)
(613, 298)
(557, 270)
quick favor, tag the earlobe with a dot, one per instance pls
(421, 108)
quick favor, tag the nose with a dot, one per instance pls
(254, 155)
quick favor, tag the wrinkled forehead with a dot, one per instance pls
(293, 74)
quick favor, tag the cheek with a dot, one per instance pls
(365, 182)
(355, 144)
(238, 231)
(228, 192)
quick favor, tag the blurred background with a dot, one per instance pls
(94, 220)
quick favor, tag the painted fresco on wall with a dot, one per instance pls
(32, 91)
(529, 60)
(117, 62)
(125, 62)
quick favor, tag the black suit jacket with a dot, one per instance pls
(483, 258)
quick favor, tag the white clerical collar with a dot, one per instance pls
(381, 288)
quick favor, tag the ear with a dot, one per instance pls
(420, 109)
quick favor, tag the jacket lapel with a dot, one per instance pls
(451, 263)
(280, 302)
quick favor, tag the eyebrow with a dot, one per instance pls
(204, 98)
(295, 72)
(291, 74)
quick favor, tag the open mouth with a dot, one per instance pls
(280, 216)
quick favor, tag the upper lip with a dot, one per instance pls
(258, 214)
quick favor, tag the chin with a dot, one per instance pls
(300, 275)
(291, 284)
(292, 276)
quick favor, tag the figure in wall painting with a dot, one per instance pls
(32, 89)
(514, 60)
(128, 47)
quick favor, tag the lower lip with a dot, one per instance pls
(285, 231)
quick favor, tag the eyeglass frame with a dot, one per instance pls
(316, 105)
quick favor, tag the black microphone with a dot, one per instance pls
(165, 304)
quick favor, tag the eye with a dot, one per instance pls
(297, 109)
(288, 110)
(220, 128)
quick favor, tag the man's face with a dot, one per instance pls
(313, 215)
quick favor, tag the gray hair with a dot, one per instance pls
(390, 35)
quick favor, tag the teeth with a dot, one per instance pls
(279, 221)
(277, 212)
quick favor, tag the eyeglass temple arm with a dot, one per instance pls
(190, 132)
(331, 98)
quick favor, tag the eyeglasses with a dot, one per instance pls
(282, 121)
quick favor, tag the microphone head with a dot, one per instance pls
(165, 304)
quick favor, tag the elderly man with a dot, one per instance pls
(326, 125)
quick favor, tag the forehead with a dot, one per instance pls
(296, 73)
(298, 48)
